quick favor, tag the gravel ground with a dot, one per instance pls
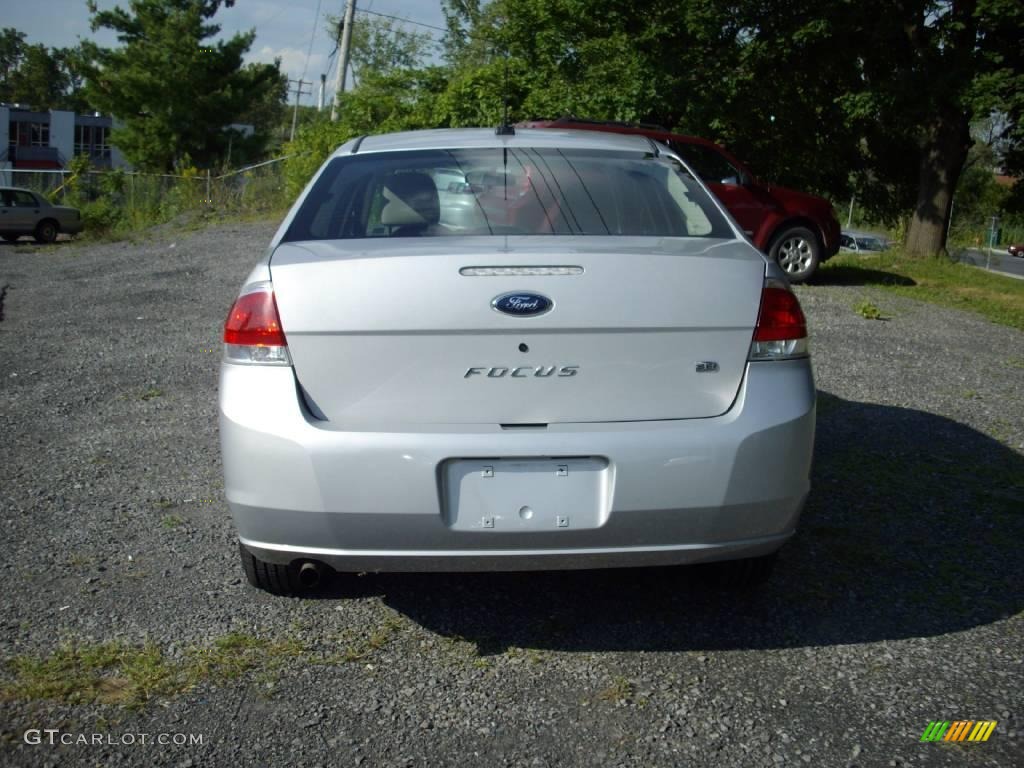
(898, 603)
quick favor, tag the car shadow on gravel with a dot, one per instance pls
(859, 276)
(912, 529)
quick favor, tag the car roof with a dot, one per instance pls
(471, 138)
(14, 189)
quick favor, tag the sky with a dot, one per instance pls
(283, 27)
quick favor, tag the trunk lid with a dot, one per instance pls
(389, 333)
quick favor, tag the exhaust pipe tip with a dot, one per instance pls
(309, 575)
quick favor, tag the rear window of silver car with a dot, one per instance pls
(496, 191)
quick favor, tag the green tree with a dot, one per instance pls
(929, 68)
(12, 51)
(607, 60)
(381, 45)
(38, 77)
(172, 88)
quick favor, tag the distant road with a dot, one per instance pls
(1001, 261)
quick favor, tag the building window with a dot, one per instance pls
(92, 140)
(22, 134)
(81, 141)
(100, 140)
(18, 133)
(40, 134)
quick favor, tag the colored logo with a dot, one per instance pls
(522, 304)
(958, 730)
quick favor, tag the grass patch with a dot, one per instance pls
(868, 310)
(236, 653)
(358, 648)
(171, 521)
(132, 675)
(107, 673)
(530, 656)
(936, 280)
(151, 393)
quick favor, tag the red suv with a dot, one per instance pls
(798, 230)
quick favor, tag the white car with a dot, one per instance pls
(860, 242)
(587, 366)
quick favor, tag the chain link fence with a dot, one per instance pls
(118, 199)
(976, 232)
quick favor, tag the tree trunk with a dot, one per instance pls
(943, 154)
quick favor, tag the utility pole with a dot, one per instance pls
(320, 96)
(343, 54)
(299, 93)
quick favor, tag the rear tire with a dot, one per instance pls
(47, 231)
(748, 573)
(798, 252)
(270, 577)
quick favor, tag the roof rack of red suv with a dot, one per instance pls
(572, 119)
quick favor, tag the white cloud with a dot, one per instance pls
(293, 61)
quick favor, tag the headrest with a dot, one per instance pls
(411, 198)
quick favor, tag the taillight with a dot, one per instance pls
(781, 331)
(252, 331)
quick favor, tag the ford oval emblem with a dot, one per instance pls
(522, 304)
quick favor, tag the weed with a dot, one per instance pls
(868, 310)
(171, 521)
(621, 689)
(151, 393)
(360, 648)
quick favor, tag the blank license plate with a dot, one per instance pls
(516, 495)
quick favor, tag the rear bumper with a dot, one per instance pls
(679, 491)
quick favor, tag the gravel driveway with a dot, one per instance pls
(898, 603)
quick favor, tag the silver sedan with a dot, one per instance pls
(584, 365)
(24, 212)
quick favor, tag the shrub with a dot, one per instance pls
(313, 144)
(101, 216)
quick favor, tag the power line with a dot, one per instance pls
(312, 37)
(398, 18)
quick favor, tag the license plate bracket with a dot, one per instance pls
(523, 495)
